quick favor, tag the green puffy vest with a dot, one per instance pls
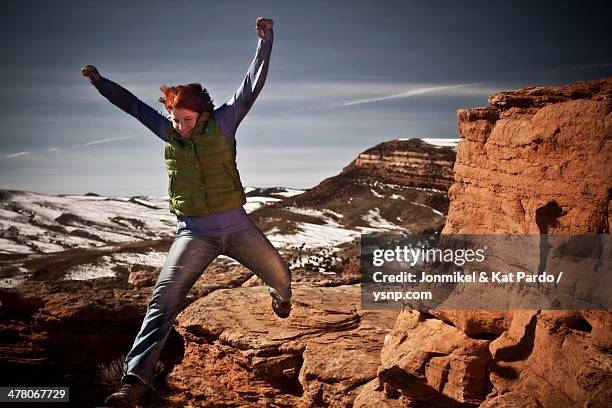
(202, 173)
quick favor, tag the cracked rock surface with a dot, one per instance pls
(323, 353)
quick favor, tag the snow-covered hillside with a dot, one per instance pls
(115, 231)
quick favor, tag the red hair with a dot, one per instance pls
(192, 97)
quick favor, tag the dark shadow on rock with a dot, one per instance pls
(396, 382)
(171, 354)
(284, 375)
(546, 218)
(505, 372)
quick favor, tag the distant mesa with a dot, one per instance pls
(399, 184)
(399, 165)
(408, 162)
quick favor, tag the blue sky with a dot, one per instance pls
(344, 76)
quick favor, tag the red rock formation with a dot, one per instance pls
(537, 160)
(57, 333)
(407, 162)
(320, 356)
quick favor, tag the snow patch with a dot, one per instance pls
(323, 215)
(436, 141)
(87, 198)
(338, 215)
(10, 282)
(441, 142)
(314, 236)
(397, 186)
(426, 206)
(152, 258)
(92, 270)
(274, 230)
(377, 194)
(374, 219)
(253, 203)
(9, 247)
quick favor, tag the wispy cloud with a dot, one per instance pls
(326, 95)
(111, 139)
(10, 156)
(57, 149)
(347, 91)
(411, 92)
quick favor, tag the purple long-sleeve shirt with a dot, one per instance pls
(228, 116)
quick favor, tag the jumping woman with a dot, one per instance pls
(206, 194)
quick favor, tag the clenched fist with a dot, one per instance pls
(263, 24)
(90, 72)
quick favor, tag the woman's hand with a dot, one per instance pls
(261, 25)
(91, 72)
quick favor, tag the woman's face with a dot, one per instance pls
(183, 121)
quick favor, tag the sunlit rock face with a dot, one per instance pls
(535, 161)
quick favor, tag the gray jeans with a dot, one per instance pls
(187, 259)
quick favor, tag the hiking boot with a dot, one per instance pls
(282, 309)
(131, 392)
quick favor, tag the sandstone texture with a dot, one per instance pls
(237, 352)
(536, 161)
(227, 348)
(57, 333)
(408, 162)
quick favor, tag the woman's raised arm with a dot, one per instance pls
(126, 101)
(230, 114)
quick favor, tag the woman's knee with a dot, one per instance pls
(169, 294)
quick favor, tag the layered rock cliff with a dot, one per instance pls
(536, 161)
(402, 184)
(410, 162)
